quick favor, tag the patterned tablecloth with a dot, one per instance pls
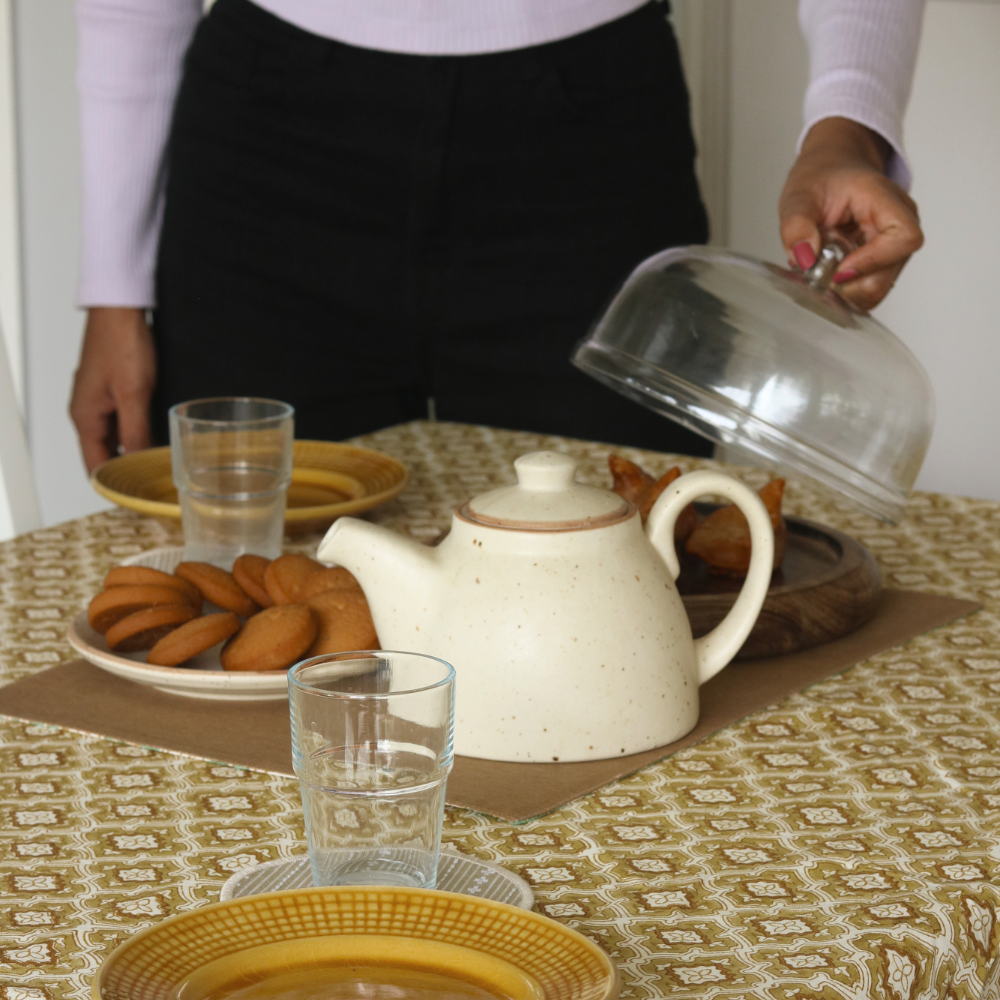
(843, 844)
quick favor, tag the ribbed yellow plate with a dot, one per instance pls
(357, 942)
(329, 480)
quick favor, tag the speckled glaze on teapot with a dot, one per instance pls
(558, 611)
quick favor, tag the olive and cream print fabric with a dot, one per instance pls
(843, 844)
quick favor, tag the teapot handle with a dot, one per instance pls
(715, 650)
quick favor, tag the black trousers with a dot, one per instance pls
(355, 231)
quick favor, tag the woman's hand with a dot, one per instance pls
(113, 384)
(837, 182)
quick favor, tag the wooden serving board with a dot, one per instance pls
(827, 585)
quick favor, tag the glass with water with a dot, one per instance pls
(372, 746)
(232, 463)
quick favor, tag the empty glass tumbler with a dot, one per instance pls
(372, 746)
(232, 463)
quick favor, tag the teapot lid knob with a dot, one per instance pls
(545, 471)
(546, 498)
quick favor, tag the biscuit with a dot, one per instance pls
(144, 629)
(124, 576)
(116, 603)
(272, 640)
(193, 638)
(328, 578)
(286, 576)
(248, 571)
(345, 622)
(218, 587)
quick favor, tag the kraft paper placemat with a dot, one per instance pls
(80, 696)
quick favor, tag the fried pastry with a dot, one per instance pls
(723, 538)
(124, 576)
(115, 603)
(193, 638)
(287, 575)
(345, 622)
(218, 587)
(687, 521)
(630, 481)
(248, 571)
(634, 484)
(271, 640)
(144, 629)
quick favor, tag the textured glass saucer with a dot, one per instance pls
(456, 873)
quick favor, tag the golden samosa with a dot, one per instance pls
(633, 483)
(723, 538)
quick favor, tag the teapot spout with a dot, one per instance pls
(398, 575)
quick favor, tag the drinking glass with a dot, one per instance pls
(372, 745)
(232, 463)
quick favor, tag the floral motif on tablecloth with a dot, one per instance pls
(840, 845)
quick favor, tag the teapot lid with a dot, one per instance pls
(546, 498)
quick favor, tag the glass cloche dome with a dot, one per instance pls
(773, 362)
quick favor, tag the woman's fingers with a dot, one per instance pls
(867, 291)
(93, 424)
(113, 384)
(800, 234)
(837, 183)
(887, 219)
(133, 390)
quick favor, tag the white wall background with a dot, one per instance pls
(945, 304)
(10, 238)
(944, 307)
(49, 161)
(18, 504)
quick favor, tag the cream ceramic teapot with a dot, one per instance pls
(558, 611)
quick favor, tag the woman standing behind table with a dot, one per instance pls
(366, 203)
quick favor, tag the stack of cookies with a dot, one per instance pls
(271, 613)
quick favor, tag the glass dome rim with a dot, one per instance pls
(881, 501)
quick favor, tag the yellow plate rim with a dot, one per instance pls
(158, 508)
(613, 979)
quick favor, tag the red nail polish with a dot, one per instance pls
(804, 255)
(842, 277)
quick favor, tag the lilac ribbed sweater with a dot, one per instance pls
(862, 55)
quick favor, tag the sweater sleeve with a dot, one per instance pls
(130, 59)
(862, 54)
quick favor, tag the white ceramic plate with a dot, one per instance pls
(203, 677)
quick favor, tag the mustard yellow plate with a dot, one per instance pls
(348, 943)
(329, 480)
